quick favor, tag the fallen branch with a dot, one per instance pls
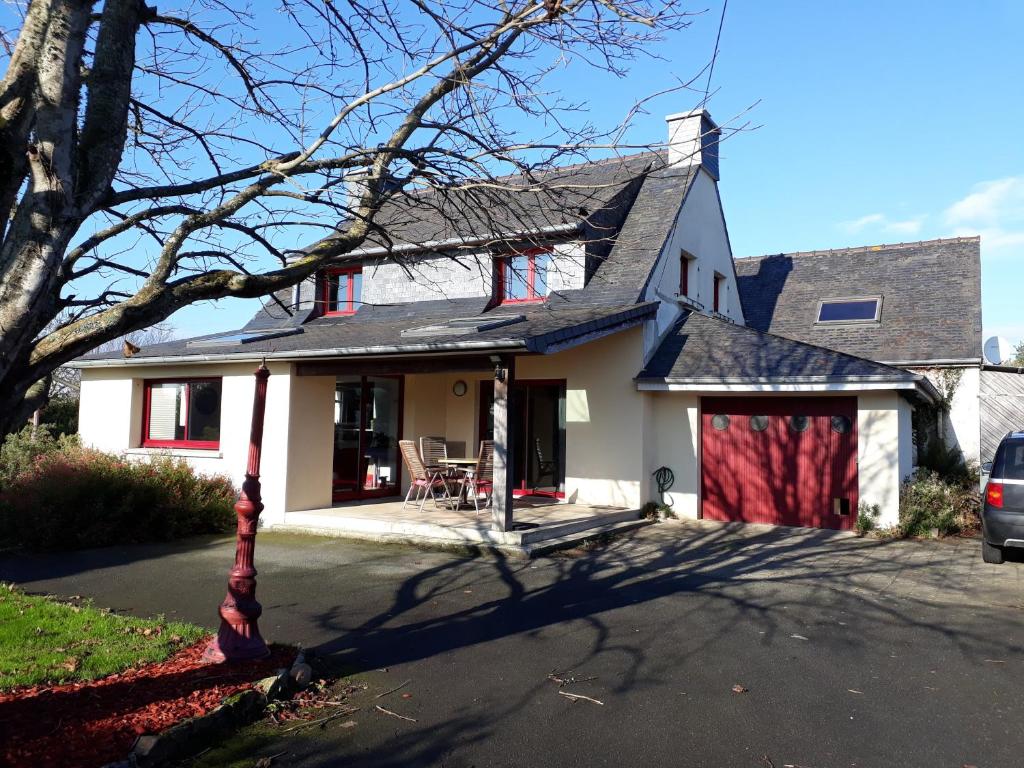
(322, 721)
(394, 714)
(396, 688)
(575, 696)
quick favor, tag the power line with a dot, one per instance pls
(714, 56)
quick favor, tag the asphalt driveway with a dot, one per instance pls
(851, 652)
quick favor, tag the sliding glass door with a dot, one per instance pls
(537, 420)
(367, 428)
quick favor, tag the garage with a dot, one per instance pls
(780, 460)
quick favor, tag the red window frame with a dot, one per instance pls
(717, 292)
(186, 443)
(350, 299)
(684, 273)
(501, 266)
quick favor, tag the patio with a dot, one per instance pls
(538, 524)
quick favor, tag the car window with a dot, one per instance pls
(1009, 464)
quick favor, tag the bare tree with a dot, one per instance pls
(65, 381)
(153, 159)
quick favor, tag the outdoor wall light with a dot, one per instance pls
(499, 371)
(460, 388)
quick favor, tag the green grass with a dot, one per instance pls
(44, 640)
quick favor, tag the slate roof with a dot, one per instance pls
(510, 204)
(406, 329)
(638, 189)
(623, 208)
(701, 349)
(623, 274)
(931, 298)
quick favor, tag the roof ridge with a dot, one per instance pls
(866, 248)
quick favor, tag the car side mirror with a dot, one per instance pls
(986, 468)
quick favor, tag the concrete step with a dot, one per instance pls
(570, 527)
(571, 539)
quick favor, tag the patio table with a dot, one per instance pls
(466, 464)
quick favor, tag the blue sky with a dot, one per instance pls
(878, 122)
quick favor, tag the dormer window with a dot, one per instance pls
(522, 277)
(686, 261)
(859, 309)
(343, 289)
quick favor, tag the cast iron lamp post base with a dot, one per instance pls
(239, 635)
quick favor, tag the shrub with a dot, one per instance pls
(928, 501)
(73, 497)
(19, 451)
(61, 414)
(947, 462)
(867, 517)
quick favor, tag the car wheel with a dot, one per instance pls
(990, 553)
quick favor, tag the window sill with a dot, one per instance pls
(513, 302)
(195, 453)
(689, 302)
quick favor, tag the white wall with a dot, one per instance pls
(310, 443)
(883, 451)
(700, 231)
(605, 418)
(294, 473)
(675, 438)
(961, 427)
(441, 277)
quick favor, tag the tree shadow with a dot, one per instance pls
(745, 579)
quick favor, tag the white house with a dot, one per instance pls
(606, 340)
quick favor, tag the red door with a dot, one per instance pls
(780, 460)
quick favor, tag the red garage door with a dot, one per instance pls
(780, 460)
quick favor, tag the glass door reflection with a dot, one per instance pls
(367, 427)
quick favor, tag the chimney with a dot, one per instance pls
(693, 140)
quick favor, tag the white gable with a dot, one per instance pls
(699, 231)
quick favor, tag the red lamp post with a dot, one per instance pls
(239, 634)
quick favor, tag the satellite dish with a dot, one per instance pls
(998, 350)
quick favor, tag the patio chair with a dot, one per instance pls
(480, 479)
(424, 481)
(545, 467)
(433, 450)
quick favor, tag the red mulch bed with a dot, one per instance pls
(93, 723)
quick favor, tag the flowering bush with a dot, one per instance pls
(71, 497)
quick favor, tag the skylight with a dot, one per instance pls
(243, 337)
(460, 326)
(850, 310)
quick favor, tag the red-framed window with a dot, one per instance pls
(718, 293)
(685, 261)
(181, 413)
(342, 290)
(523, 277)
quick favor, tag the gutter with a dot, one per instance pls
(780, 380)
(1003, 368)
(919, 384)
(937, 363)
(545, 343)
(302, 354)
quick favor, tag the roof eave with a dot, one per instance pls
(305, 354)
